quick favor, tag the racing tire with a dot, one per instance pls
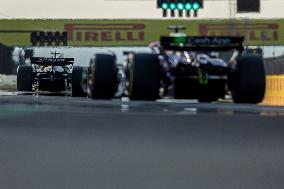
(144, 77)
(25, 78)
(248, 80)
(77, 88)
(104, 77)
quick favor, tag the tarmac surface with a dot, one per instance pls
(50, 142)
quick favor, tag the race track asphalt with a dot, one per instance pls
(57, 142)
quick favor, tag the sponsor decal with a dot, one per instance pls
(221, 41)
(105, 32)
(251, 32)
(53, 59)
(202, 77)
(211, 41)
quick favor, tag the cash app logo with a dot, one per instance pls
(180, 40)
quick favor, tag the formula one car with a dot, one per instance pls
(189, 64)
(54, 74)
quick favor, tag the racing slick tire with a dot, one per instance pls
(248, 80)
(77, 88)
(144, 77)
(25, 78)
(103, 77)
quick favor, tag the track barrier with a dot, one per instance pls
(274, 92)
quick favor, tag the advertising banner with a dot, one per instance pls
(140, 32)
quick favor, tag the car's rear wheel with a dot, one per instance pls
(248, 79)
(144, 77)
(77, 88)
(25, 78)
(103, 77)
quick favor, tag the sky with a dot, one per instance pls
(112, 9)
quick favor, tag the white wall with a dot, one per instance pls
(121, 9)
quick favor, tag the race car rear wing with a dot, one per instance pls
(204, 43)
(52, 61)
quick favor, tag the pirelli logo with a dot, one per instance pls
(105, 32)
(252, 32)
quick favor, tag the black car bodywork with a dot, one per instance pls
(50, 74)
(55, 79)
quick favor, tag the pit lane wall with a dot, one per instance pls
(139, 32)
